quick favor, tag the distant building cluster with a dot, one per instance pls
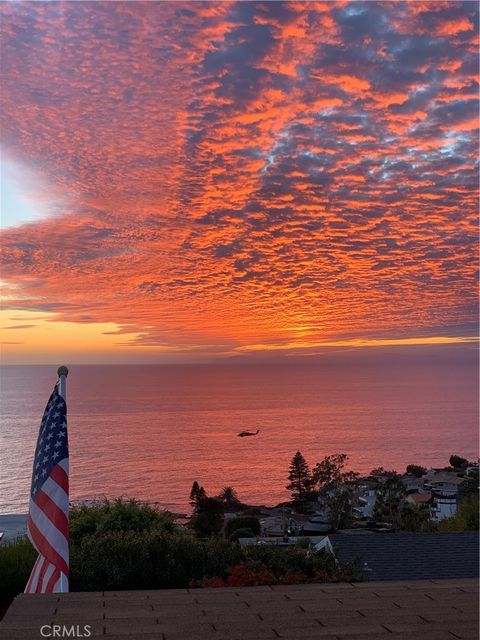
(435, 493)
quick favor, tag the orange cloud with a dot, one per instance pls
(221, 173)
(349, 83)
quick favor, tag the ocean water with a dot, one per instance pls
(149, 431)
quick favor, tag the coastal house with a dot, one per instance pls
(419, 499)
(422, 501)
(278, 521)
(446, 490)
(365, 503)
(412, 483)
(472, 471)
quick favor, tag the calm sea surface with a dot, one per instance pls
(150, 431)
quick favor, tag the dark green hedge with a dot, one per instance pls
(243, 522)
(16, 563)
(143, 549)
(148, 560)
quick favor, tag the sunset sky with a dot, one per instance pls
(188, 181)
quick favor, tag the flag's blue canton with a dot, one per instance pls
(52, 443)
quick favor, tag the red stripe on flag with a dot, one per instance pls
(45, 548)
(60, 477)
(53, 513)
(41, 576)
(53, 579)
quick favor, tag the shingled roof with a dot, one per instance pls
(411, 556)
(420, 610)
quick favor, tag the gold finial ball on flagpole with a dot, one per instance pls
(62, 371)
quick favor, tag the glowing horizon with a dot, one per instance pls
(211, 180)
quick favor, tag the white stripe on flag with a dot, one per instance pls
(56, 493)
(57, 587)
(64, 464)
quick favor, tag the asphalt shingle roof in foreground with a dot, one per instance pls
(420, 610)
(411, 556)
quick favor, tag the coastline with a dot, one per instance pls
(13, 525)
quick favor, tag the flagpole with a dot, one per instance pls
(62, 373)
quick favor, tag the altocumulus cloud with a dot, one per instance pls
(237, 171)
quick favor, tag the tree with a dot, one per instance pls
(329, 472)
(228, 494)
(416, 470)
(338, 507)
(208, 518)
(229, 498)
(380, 471)
(300, 479)
(415, 518)
(242, 522)
(197, 494)
(243, 532)
(458, 462)
(333, 484)
(390, 497)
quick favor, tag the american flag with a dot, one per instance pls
(48, 515)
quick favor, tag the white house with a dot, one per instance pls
(446, 490)
(366, 503)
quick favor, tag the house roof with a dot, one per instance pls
(411, 556)
(420, 498)
(441, 610)
(447, 478)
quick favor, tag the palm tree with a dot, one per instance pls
(228, 495)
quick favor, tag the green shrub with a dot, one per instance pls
(303, 543)
(243, 532)
(134, 560)
(117, 515)
(243, 522)
(153, 559)
(16, 563)
(106, 554)
(147, 560)
(220, 555)
(208, 518)
(285, 560)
